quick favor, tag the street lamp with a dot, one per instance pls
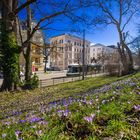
(83, 67)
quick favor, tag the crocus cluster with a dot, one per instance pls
(90, 118)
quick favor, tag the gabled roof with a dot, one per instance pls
(69, 35)
(98, 44)
(109, 46)
(112, 46)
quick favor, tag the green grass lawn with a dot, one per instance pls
(74, 111)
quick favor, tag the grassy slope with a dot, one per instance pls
(26, 99)
(110, 122)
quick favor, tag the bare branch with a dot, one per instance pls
(128, 7)
(37, 27)
(108, 13)
(128, 20)
(16, 11)
(120, 18)
(20, 34)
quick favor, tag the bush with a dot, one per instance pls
(33, 83)
(112, 69)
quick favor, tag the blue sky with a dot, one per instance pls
(106, 35)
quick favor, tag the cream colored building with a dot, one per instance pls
(67, 49)
(99, 49)
(104, 54)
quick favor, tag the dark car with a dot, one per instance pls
(53, 69)
(48, 69)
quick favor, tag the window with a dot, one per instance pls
(70, 48)
(61, 49)
(36, 60)
(74, 43)
(61, 41)
(66, 48)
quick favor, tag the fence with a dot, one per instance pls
(55, 81)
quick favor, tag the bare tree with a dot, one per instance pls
(65, 8)
(10, 10)
(135, 46)
(118, 13)
(10, 49)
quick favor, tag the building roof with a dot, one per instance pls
(98, 44)
(69, 35)
(111, 46)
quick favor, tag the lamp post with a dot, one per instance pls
(83, 66)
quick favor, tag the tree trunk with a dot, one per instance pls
(139, 58)
(28, 64)
(123, 58)
(9, 49)
(130, 59)
(125, 54)
(28, 68)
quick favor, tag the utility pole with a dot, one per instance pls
(83, 67)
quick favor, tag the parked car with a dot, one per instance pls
(48, 69)
(53, 69)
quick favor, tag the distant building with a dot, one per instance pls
(100, 49)
(36, 49)
(67, 49)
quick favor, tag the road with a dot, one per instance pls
(50, 75)
(52, 78)
(54, 74)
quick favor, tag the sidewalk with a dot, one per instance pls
(56, 80)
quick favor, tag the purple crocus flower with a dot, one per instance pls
(4, 135)
(93, 115)
(136, 107)
(22, 121)
(88, 119)
(59, 112)
(43, 122)
(17, 133)
(7, 123)
(66, 112)
(34, 119)
(39, 132)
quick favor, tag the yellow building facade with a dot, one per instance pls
(36, 58)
